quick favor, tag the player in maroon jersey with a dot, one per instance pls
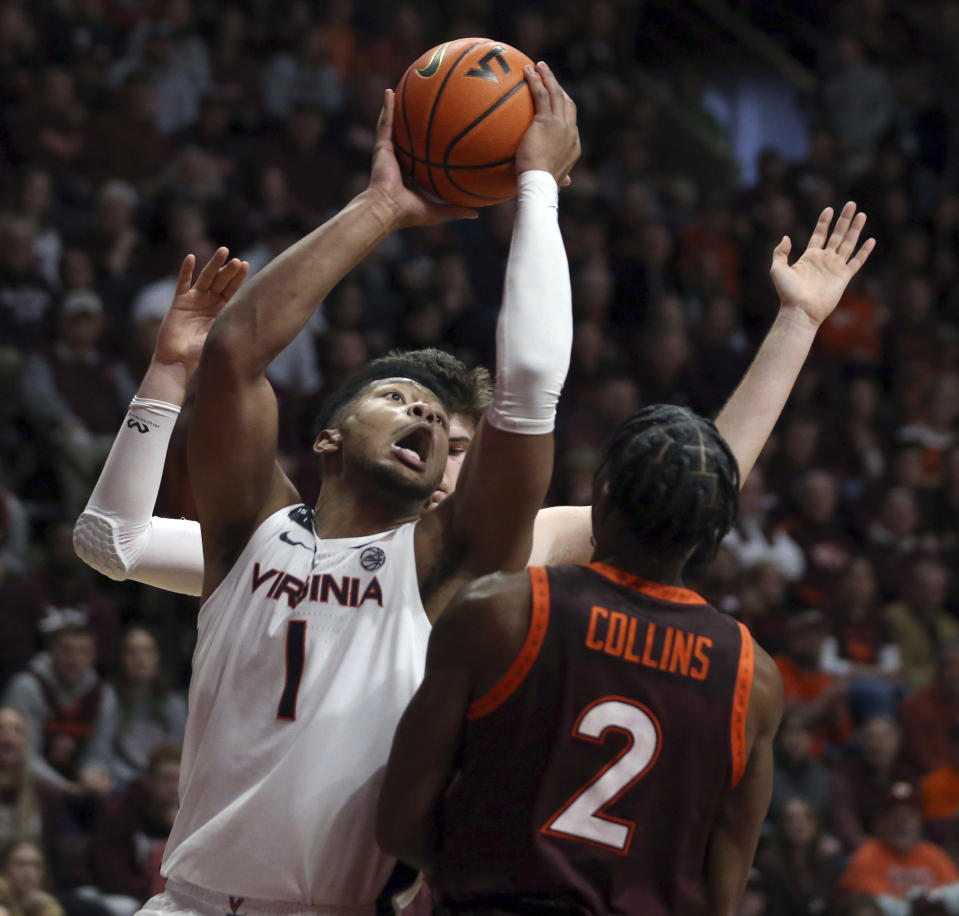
(595, 739)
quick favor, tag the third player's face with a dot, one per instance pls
(462, 430)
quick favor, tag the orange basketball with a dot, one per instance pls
(461, 110)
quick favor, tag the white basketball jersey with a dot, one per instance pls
(307, 654)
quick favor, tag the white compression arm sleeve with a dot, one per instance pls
(115, 534)
(534, 333)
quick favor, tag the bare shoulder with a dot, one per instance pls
(486, 623)
(485, 600)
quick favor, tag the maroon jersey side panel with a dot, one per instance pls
(592, 773)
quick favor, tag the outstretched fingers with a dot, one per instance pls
(848, 244)
(865, 250)
(781, 252)
(818, 237)
(237, 276)
(842, 226)
(186, 275)
(224, 275)
(208, 274)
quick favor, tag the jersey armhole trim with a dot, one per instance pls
(539, 621)
(744, 686)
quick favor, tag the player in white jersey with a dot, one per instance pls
(313, 627)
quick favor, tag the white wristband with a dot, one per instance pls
(534, 333)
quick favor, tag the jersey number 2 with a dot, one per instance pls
(295, 656)
(583, 818)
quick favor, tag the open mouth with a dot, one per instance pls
(414, 448)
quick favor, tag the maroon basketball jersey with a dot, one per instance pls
(592, 772)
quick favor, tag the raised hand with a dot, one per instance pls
(816, 282)
(184, 329)
(551, 142)
(407, 207)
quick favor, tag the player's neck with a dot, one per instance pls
(342, 512)
(638, 562)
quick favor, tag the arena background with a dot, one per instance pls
(134, 131)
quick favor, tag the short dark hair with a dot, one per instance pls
(674, 478)
(469, 391)
(460, 390)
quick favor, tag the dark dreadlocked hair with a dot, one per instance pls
(462, 391)
(674, 478)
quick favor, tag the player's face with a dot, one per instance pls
(462, 430)
(399, 431)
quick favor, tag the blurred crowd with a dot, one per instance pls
(133, 132)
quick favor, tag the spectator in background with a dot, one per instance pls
(858, 102)
(927, 714)
(920, 621)
(303, 77)
(862, 781)
(71, 713)
(754, 538)
(23, 881)
(60, 590)
(125, 142)
(820, 695)
(26, 299)
(27, 805)
(149, 714)
(940, 794)
(73, 398)
(896, 538)
(133, 827)
(14, 536)
(897, 860)
(803, 859)
(860, 643)
(816, 528)
(796, 773)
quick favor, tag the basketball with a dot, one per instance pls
(461, 111)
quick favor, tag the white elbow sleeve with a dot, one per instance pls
(534, 333)
(114, 528)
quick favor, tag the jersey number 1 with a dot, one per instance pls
(583, 818)
(295, 655)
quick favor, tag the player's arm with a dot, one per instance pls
(735, 833)
(472, 645)
(488, 520)
(115, 533)
(232, 444)
(809, 291)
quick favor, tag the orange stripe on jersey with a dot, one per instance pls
(654, 589)
(539, 620)
(744, 686)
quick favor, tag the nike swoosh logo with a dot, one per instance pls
(434, 63)
(286, 539)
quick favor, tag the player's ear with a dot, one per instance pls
(328, 442)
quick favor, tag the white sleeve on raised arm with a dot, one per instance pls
(116, 534)
(534, 333)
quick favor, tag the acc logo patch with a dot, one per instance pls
(372, 558)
